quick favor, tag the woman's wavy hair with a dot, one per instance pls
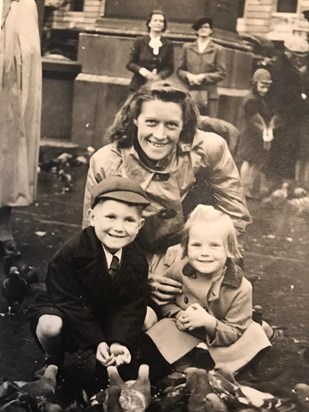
(123, 130)
(202, 214)
(150, 17)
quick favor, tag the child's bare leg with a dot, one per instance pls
(48, 332)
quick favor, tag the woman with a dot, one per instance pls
(151, 56)
(20, 108)
(155, 141)
(202, 66)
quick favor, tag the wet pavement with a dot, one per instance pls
(276, 259)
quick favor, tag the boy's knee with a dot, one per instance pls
(150, 318)
(49, 326)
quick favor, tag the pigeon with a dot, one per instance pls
(66, 180)
(214, 404)
(45, 386)
(113, 403)
(4, 307)
(7, 388)
(134, 396)
(14, 288)
(301, 393)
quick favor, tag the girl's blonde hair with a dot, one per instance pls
(203, 214)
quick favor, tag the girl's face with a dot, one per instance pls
(206, 248)
(156, 23)
(158, 128)
(262, 88)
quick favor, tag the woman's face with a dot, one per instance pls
(158, 128)
(156, 23)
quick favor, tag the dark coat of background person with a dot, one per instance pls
(141, 55)
(288, 106)
(94, 307)
(251, 144)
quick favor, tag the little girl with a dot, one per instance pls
(214, 309)
(256, 135)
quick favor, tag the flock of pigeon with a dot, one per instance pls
(289, 196)
(200, 391)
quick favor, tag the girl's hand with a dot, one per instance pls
(163, 289)
(179, 320)
(104, 355)
(197, 317)
(121, 353)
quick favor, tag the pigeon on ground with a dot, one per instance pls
(301, 393)
(15, 288)
(45, 386)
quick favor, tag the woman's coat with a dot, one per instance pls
(201, 172)
(20, 102)
(141, 55)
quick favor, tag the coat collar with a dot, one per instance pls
(232, 275)
(209, 48)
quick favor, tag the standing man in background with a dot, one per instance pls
(20, 108)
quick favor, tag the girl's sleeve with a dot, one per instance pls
(171, 309)
(236, 320)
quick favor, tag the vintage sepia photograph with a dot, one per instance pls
(154, 205)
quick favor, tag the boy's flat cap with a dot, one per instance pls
(119, 188)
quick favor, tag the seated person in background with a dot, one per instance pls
(214, 310)
(97, 282)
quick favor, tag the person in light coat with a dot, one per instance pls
(215, 306)
(202, 65)
(20, 108)
(155, 141)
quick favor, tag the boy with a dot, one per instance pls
(90, 302)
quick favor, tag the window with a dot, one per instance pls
(287, 6)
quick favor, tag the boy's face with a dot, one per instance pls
(116, 224)
(262, 88)
(206, 248)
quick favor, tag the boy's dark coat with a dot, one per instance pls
(93, 306)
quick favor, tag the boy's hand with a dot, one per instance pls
(196, 317)
(104, 355)
(121, 354)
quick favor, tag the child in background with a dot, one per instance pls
(214, 310)
(97, 282)
(256, 134)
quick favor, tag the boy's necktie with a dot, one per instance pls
(113, 269)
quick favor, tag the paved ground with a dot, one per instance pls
(276, 256)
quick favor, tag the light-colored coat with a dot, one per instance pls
(229, 299)
(210, 62)
(201, 172)
(20, 102)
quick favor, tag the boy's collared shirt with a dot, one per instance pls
(109, 256)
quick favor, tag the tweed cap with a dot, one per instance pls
(119, 188)
(296, 44)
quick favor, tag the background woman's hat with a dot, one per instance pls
(119, 188)
(199, 23)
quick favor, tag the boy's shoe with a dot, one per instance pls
(48, 360)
